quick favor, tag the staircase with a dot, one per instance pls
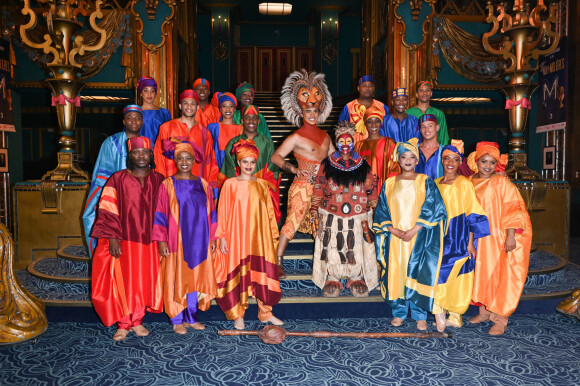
(61, 277)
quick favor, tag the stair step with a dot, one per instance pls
(52, 269)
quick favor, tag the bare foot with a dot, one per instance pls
(120, 335)
(274, 320)
(440, 321)
(239, 324)
(179, 329)
(195, 326)
(421, 325)
(396, 322)
(140, 330)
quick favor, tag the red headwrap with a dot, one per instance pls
(245, 148)
(199, 81)
(250, 109)
(421, 83)
(139, 143)
(189, 93)
(215, 99)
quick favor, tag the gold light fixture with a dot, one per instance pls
(275, 8)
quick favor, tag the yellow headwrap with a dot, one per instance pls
(403, 147)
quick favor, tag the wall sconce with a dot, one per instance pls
(275, 8)
(220, 33)
(329, 37)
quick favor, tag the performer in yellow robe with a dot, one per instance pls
(503, 257)
(246, 258)
(409, 224)
(466, 224)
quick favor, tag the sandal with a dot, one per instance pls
(332, 289)
(358, 288)
(140, 330)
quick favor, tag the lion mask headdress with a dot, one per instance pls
(302, 90)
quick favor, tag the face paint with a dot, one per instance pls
(345, 143)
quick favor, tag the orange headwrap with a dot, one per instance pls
(373, 112)
(491, 148)
(193, 150)
(456, 147)
(245, 148)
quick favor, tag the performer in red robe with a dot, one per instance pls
(186, 127)
(125, 271)
(206, 112)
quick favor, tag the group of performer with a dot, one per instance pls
(183, 211)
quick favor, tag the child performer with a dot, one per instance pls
(466, 222)
(125, 270)
(153, 115)
(225, 129)
(248, 234)
(185, 223)
(409, 224)
(503, 257)
(376, 149)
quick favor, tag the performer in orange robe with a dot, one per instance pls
(187, 128)
(376, 149)
(125, 269)
(248, 233)
(185, 223)
(206, 112)
(502, 260)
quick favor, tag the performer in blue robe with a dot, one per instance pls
(399, 125)
(112, 158)
(153, 115)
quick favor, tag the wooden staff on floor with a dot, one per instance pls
(276, 335)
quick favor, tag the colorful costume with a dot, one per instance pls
(221, 132)
(247, 222)
(354, 112)
(264, 168)
(410, 269)
(432, 166)
(186, 220)
(344, 195)
(499, 275)
(442, 133)
(378, 153)
(199, 135)
(209, 113)
(123, 287)
(464, 215)
(400, 130)
(262, 124)
(152, 120)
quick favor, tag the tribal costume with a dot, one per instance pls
(344, 196)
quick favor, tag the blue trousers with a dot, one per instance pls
(400, 309)
(189, 315)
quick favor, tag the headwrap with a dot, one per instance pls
(176, 145)
(199, 81)
(366, 78)
(189, 93)
(428, 117)
(139, 143)
(146, 81)
(227, 96)
(421, 83)
(373, 112)
(245, 148)
(399, 92)
(491, 148)
(289, 98)
(244, 86)
(250, 109)
(335, 159)
(215, 99)
(403, 147)
(456, 147)
(130, 108)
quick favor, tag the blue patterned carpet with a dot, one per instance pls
(536, 350)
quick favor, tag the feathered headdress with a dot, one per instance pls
(289, 98)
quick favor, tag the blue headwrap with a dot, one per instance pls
(226, 96)
(366, 78)
(130, 108)
(403, 147)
